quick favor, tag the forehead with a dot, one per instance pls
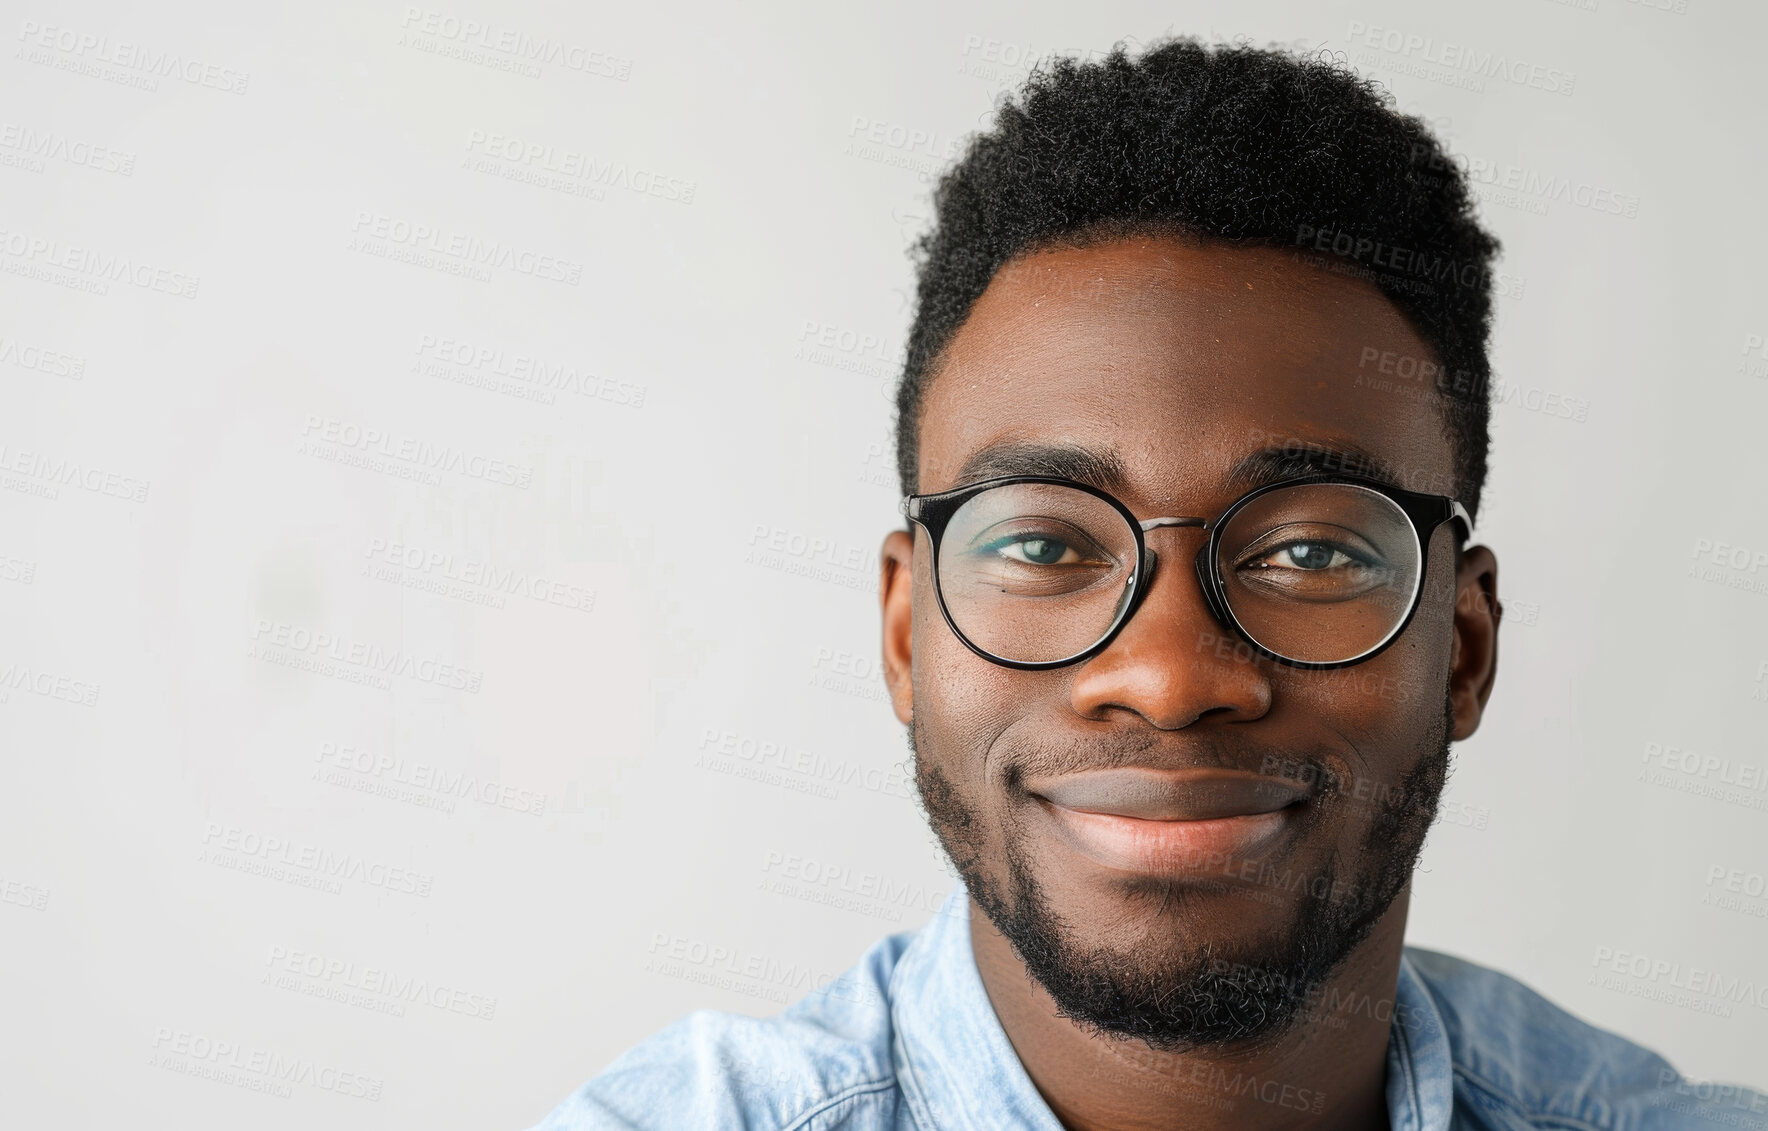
(1181, 359)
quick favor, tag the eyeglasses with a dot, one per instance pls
(1323, 571)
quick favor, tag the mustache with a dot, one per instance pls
(1041, 759)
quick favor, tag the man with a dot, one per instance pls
(1192, 435)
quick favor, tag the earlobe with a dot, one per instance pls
(1473, 658)
(896, 587)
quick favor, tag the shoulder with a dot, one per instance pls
(823, 1063)
(1518, 1054)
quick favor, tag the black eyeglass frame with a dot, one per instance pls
(1425, 512)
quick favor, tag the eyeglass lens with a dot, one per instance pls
(1316, 573)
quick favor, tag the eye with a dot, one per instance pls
(1036, 549)
(1308, 556)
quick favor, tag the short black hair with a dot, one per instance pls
(1234, 143)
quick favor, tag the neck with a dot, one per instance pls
(1327, 1073)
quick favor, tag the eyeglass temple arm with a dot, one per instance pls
(1459, 512)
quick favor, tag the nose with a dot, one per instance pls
(1172, 663)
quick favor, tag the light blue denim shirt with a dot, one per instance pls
(907, 1041)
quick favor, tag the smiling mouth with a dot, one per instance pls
(1171, 822)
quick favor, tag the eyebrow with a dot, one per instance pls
(1104, 467)
(1097, 467)
(1296, 458)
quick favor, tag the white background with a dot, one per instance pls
(728, 345)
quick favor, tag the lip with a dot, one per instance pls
(1170, 822)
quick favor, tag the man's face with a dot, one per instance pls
(1179, 361)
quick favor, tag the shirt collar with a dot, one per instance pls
(959, 1072)
(956, 1067)
(1420, 1066)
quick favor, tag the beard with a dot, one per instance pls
(1220, 996)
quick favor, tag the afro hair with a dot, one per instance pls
(1232, 143)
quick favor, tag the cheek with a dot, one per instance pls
(963, 703)
(1425, 652)
(1389, 709)
(1403, 684)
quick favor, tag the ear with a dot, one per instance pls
(1473, 658)
(896, 589)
